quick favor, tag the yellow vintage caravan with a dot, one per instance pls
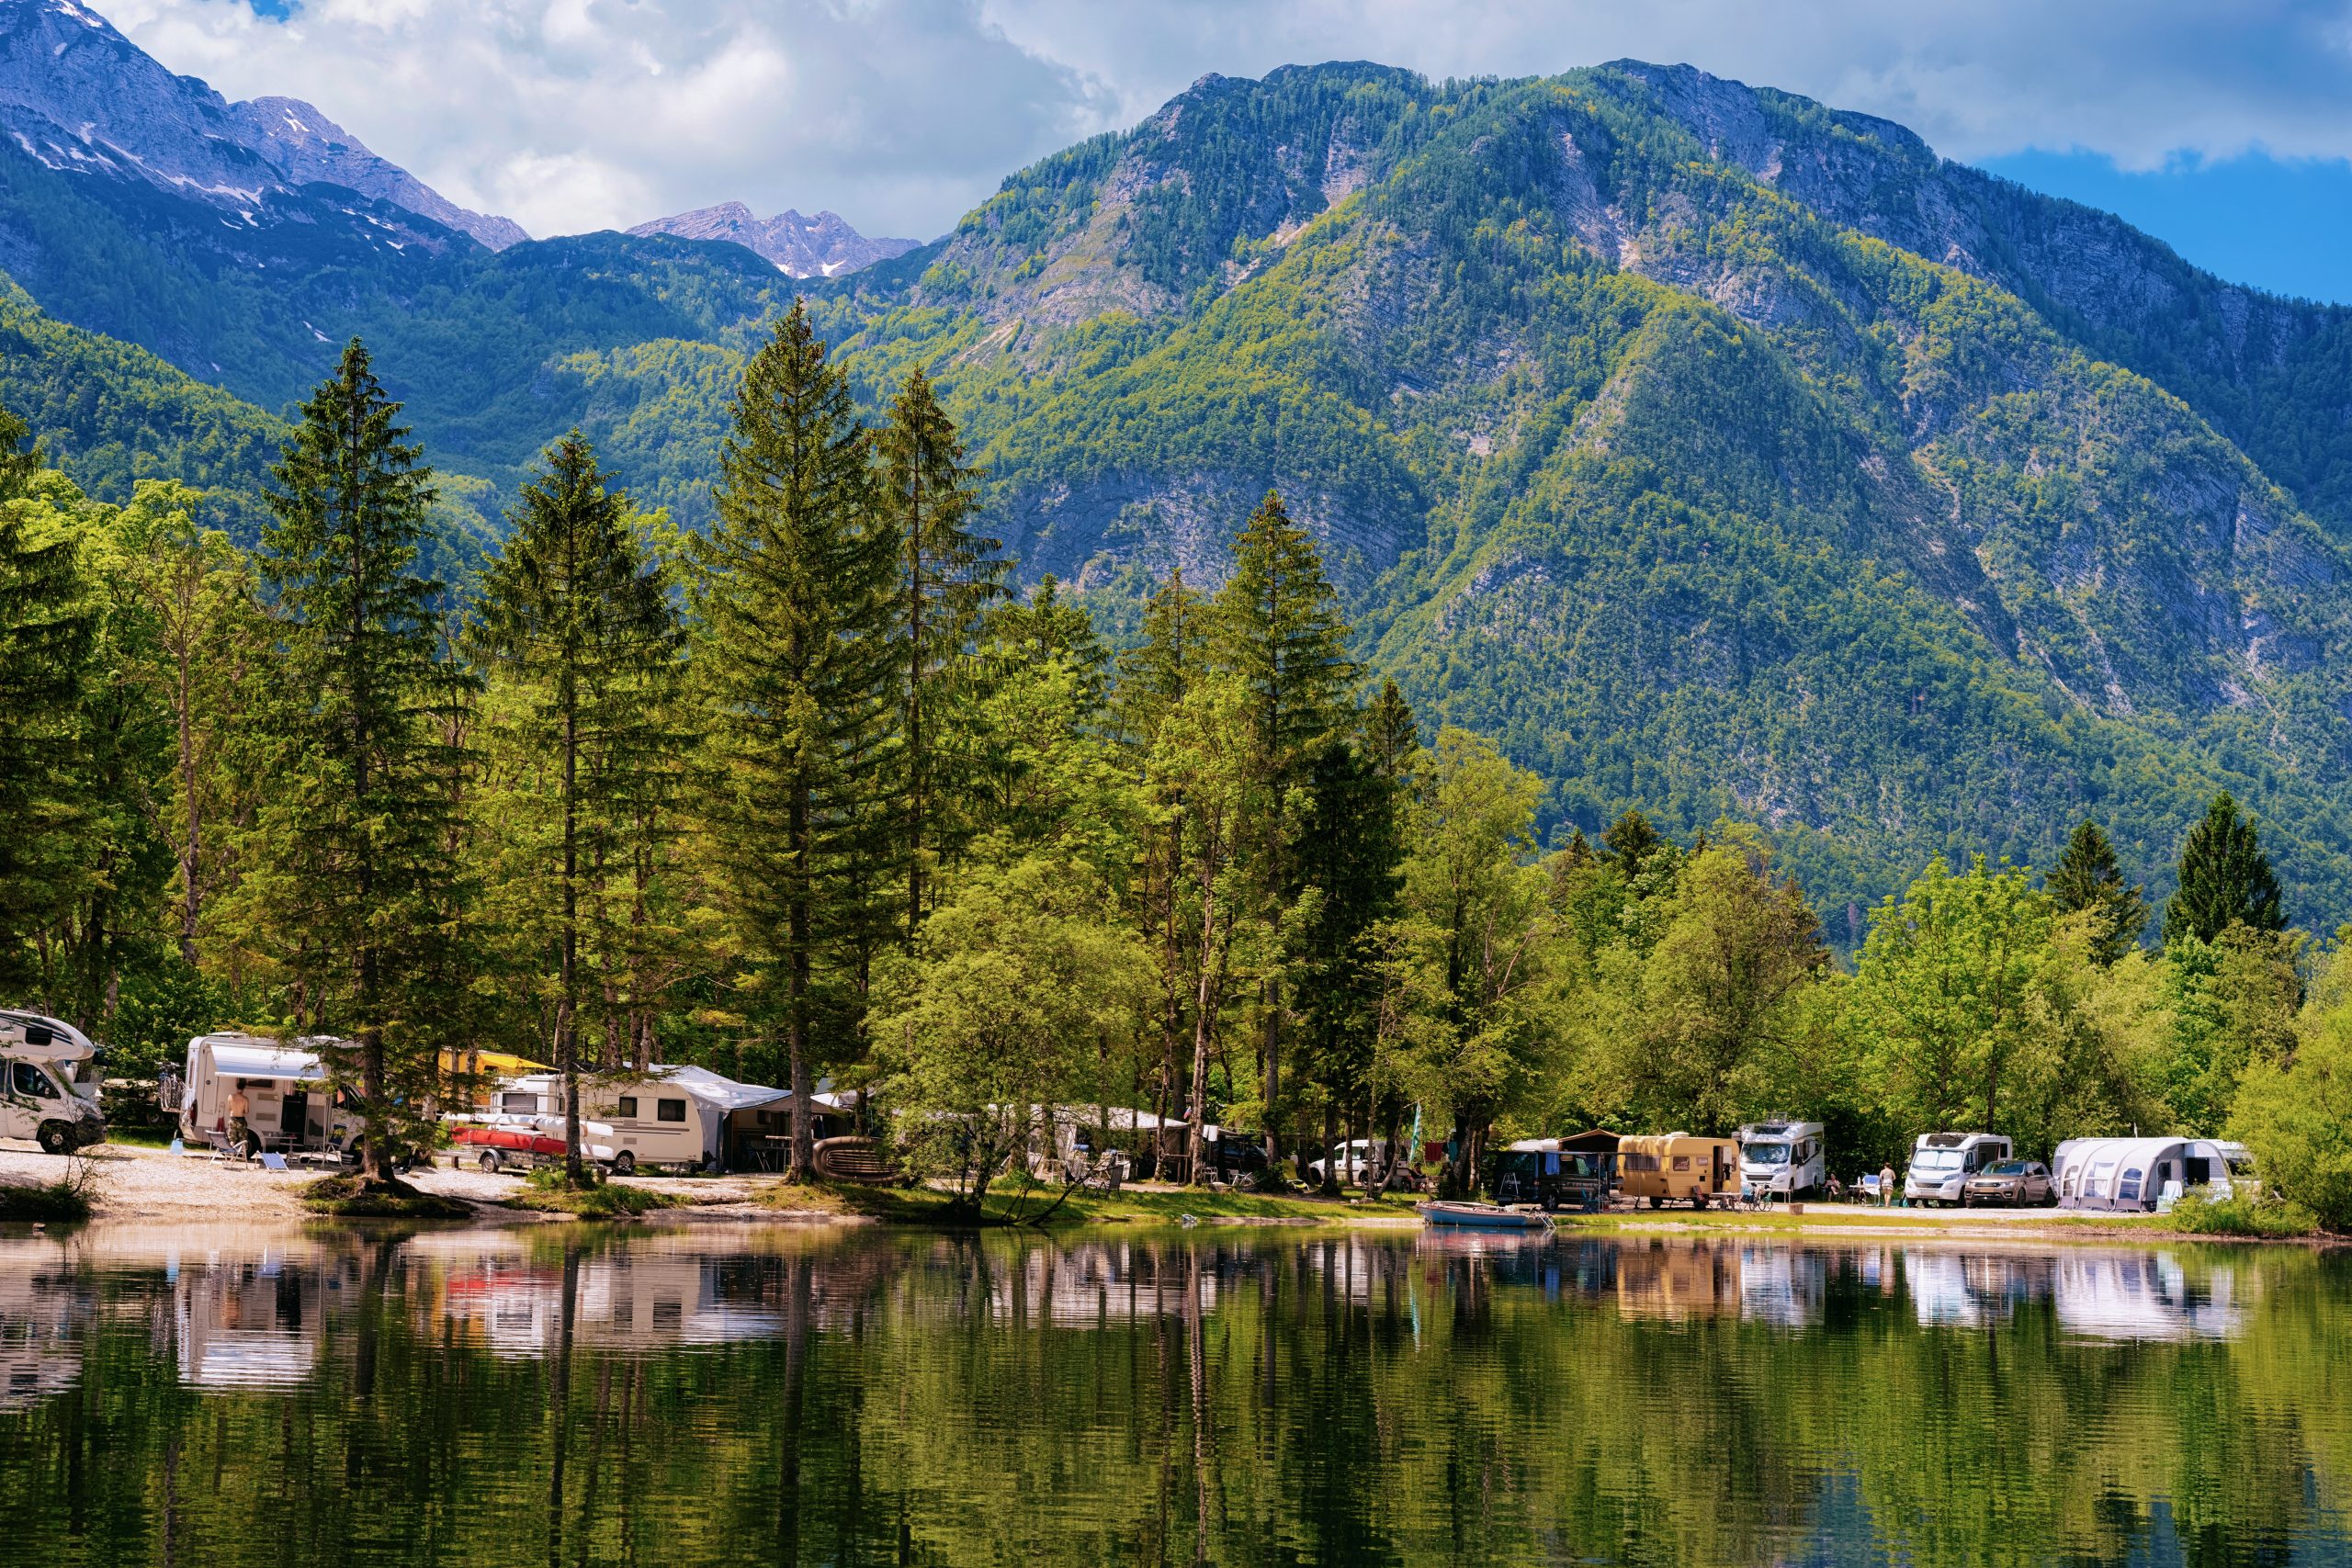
(1677, 1167)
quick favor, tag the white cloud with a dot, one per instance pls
(899, 114)
(570, 115)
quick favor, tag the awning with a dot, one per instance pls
(268, 1061)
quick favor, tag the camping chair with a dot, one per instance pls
(221, 1148)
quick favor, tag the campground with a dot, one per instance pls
(136, 1182)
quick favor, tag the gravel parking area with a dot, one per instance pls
(135, 1183)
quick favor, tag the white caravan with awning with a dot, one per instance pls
(675, 1116)
(289, 1102)
(2139, 1175)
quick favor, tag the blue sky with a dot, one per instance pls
(2223, 128)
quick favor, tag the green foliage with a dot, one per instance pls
(2296, 1113)
(2225, 879)
(1005, 1010)
(49, 630)
(2251, 1217)
(2087, 878)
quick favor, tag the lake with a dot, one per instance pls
(219, 1398)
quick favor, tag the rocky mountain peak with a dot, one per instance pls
(822, 246)
(77, 96)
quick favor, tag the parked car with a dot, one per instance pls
(2017, 1182)
(1355, 1158)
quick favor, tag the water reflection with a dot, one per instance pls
(1211, 1396)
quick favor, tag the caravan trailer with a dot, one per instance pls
(292, 1105)
(1942, 1163)
(688, 1117)
(2144, 1175)
(1782, 1160)
(1676, 1167)
(46, 1094)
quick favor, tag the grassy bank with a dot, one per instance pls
(353, 1197)
(544, 1191)
(927, 1206)
(61, 1202)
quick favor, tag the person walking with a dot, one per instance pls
(1886, 1186)
(239, 1107)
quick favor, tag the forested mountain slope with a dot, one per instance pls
(1718, 452)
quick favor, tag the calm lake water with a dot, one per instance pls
(230, 1397)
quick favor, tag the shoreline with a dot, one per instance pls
(141, 1184)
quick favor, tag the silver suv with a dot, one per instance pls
(2017, 1182)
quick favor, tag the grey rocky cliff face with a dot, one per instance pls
(75, 95)
(822, 246)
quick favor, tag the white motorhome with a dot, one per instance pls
(673, 1116)
(1782, 1160)
(49, 1091)
(290, 1104)
(1942, 1163)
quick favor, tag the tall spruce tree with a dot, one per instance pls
(357, 876)
(2087, 877)
(796, 642)
(1352, 855)
(1155, 677)
(576, 614)
(1280, 634)
(947, 574)
(48, 624)
(2225, 879)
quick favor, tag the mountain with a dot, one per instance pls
(75, 95)
(1718, 452)
(822, 246)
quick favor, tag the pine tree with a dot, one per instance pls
(1390, 734)
(800, 666)
(1280, 634)
(947, 574)
(1352, 855)
(1154, 674)
(1629, 842)
(2087, 877)
(2225, 879)
(47, 629)
(357, 878)
(575, 614)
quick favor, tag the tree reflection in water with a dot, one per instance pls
(1217, 1396)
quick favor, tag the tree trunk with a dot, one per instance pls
(1333, 1151)
(1204, 1024)
(1269, 998)
(567, 1007)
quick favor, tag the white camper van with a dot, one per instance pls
(50, 1092)
(1942, 1163)
(290, 1104)
(1782, 1160)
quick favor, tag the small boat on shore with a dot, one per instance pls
(1484, 1216)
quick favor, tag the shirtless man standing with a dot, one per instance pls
(239, 1106)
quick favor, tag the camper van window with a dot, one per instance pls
(669, 1110)
(1681, 1162)
(1935, 1159)
(1769, 1153)
(518, 1104)
(30, 1081)
(627, 1107)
